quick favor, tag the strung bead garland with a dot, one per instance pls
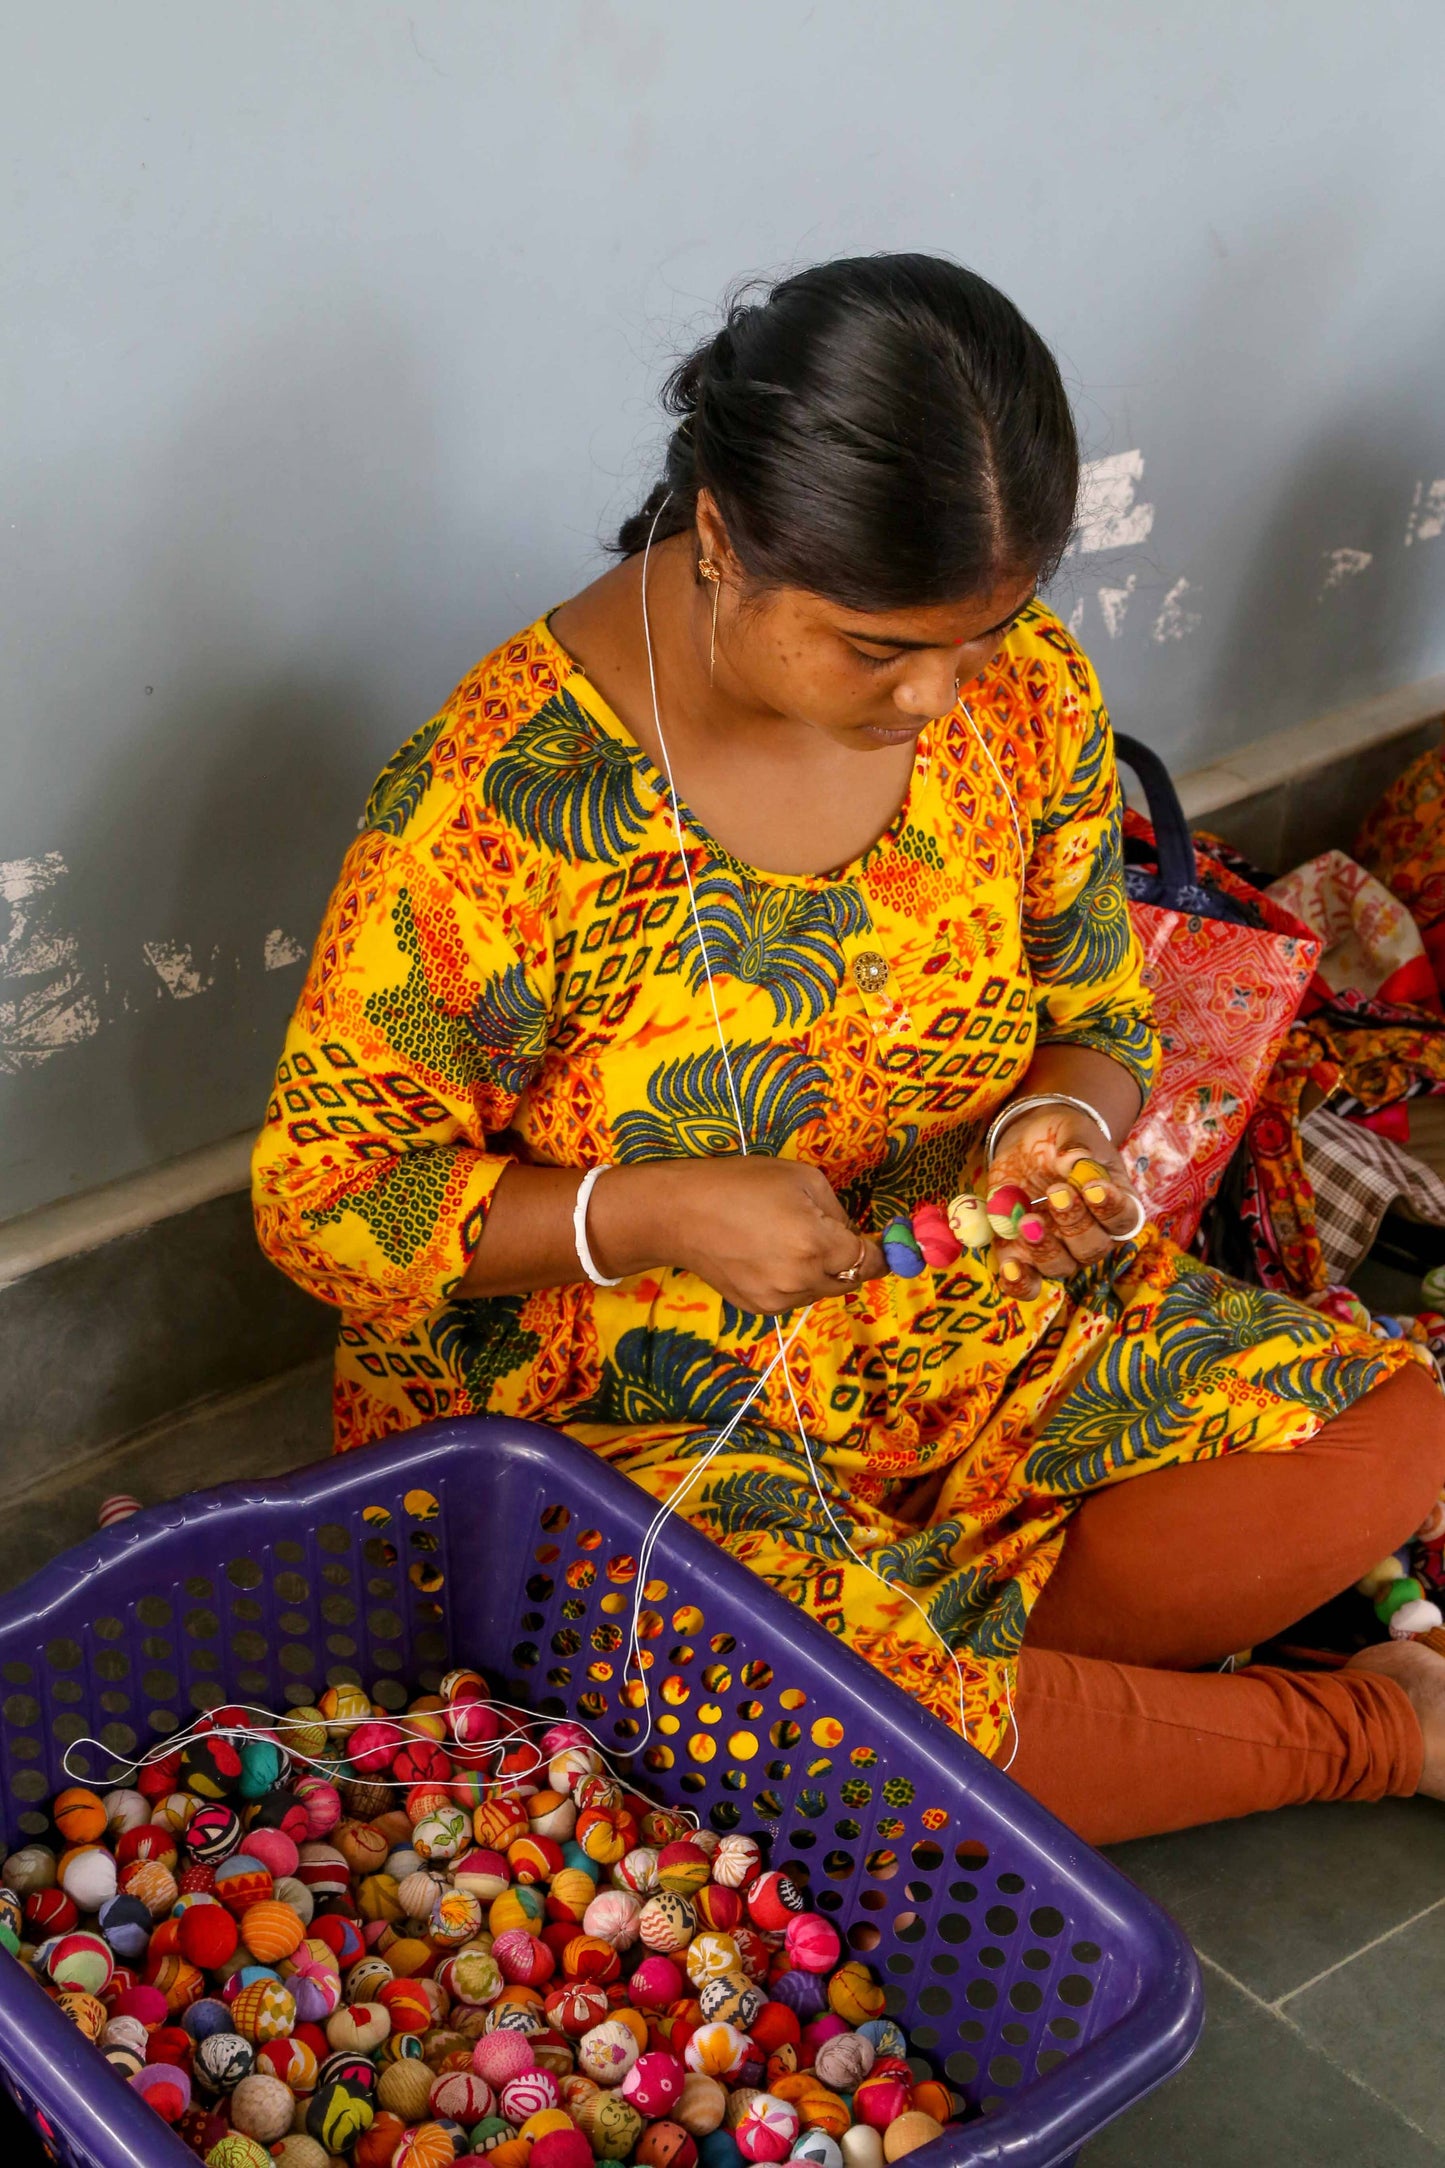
(938, 1235)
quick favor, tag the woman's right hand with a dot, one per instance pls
(768, 1234)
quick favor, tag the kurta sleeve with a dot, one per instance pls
(1080, 943)
(422, 1020)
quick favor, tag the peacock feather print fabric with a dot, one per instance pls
(509, 969)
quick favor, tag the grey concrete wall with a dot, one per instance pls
(330, 335)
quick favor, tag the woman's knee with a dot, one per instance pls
(1402, 1424)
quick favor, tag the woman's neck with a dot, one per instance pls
(775, 793)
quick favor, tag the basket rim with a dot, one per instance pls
(1062, 2110)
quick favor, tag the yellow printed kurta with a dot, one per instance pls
(509, 968)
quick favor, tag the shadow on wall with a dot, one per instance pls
(1336, 542)
(300, 496)
(1253, 606)
(1331, 601)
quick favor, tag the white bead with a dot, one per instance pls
(1415, 1618)
(862, 2147)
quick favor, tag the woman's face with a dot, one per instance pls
(864, 679)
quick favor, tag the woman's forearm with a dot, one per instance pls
(766, 1233)
(1097, 1079)
(528, 1240)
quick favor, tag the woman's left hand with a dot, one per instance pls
(1059, 1156)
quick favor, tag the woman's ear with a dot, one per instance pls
(712, 537)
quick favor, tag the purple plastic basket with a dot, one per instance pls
(1025, 1968)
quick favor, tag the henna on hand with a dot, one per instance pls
(1065, 1199)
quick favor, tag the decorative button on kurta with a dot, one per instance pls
(870, 970)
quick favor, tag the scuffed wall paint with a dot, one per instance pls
(46, 1004)
(281, 951)
(1111, 517)
(1175, 620)
(176, 968)
(1113, 602)
(1345, 564)
(1427, 513)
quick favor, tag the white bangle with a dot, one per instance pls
(579, 1226)
(1006, 1114)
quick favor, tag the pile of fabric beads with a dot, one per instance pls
(404, 1941)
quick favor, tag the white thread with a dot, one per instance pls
(202, 1728)
(985, 749)
(783, 1345)
(677, 831)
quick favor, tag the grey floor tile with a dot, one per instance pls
(1255, 2092)
(1276, 1898)
(1382, 2016)
(266, 1431)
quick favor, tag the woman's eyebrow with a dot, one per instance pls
(896, 639)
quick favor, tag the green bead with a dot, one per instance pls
(263, 1764)
(1398, 1592)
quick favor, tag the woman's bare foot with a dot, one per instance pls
(1421, 1672)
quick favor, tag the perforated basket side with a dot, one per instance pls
(1026, 1968)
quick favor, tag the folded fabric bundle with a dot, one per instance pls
(1357, 1177)
(1363, 1056)
(1369, 942)
(1402, 843)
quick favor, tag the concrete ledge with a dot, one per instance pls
(97, 1344)
(77, 1224)
(1294, 755)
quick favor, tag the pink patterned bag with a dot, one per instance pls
(1225, 994)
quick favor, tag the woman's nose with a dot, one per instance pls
(930, 688)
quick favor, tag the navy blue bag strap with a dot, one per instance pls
(1178, 868)
(1177, 886)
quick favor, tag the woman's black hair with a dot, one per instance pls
(887, 431)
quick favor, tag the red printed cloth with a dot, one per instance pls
(1365, 1057)
(1225, 997)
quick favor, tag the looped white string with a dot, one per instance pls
(781, 1358)
(270, 1722)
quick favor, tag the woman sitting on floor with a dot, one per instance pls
(873, 952)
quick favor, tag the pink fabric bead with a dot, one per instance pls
(767, 2130)
(657, 1982)
(812, 1942)
(499, 2056)
(612, 1917)
(521, 1957)
(826, 2027)
(528, 2094)
(275, 1850)
(653, 2083)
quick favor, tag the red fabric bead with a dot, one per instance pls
(208, 1935)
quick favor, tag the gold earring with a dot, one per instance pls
(711, 574)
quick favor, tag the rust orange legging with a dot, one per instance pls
(1119, 1733)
